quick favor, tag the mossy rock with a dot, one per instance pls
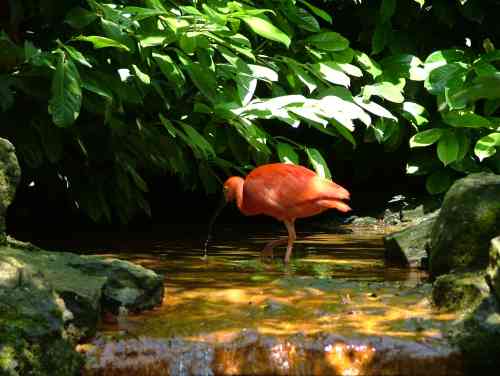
(478, 337)
(468, 219)
(461, 291)
(408, 247)
(33, 319)
(494, 267)
(10, 175)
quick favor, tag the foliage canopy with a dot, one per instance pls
(100, 96)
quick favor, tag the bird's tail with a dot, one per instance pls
(333, 196)
(334, 204)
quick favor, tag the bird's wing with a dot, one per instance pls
(273, 189)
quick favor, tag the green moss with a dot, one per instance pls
(479, 340)
(56, 357)
(459, 291)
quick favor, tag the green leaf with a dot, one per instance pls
(139, 13)
(374, 108)
(384, 129)
(246, 86)
(286, 153)
(97, 87)
(318, 163)
(483, 87)
(170, 69)
(448, 148)
(404, 65)
(266, 29)
(102, 42)
(66, 99)
(6, 94)
(76, 55)
(385, 90)
(368, 64)
(301, 18)
(486, 146)
(331, 72)
(447, 76)
(443, 57)
(302, 75)
(415, 113)
(143, 77)
(168, 125)
(387, 9)
(329, 41)
(439, 182)
(381, 37)
(204, 80)
(79, 18)
(426, 138)
(199, 141)
(254, 135)
(317, 11)
(351, 70)
(465, 119)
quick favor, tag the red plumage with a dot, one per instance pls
(285, 192)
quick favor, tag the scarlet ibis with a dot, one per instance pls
(285, 192)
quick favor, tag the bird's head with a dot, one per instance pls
(231, 187)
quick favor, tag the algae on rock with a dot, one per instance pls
(468, 219)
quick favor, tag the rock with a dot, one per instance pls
(460, 291)
(10, 175)
(33, 320)
(408, 247)
(494, 267)
(478, 336)
(364, 221)
(469, 218)
(252, 353)
(88, 285)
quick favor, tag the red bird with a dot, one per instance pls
(285, 192)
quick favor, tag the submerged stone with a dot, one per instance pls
(468, 219)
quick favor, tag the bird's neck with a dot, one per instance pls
(238, 190)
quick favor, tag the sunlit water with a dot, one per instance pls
(337, 282)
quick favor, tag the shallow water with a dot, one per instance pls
(337, 283)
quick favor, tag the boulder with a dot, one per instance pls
(460, 291)
(88, 285)
(33, 322)
(468, 219)
(10, 175)
(494, 267)
(408, 247)
(478, 336)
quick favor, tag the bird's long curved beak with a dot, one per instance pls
(218, 210)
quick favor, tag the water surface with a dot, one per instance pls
(337, 282)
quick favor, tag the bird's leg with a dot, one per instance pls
(268, 249)
(290, 226)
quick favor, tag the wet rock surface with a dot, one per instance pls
(10, 175)
(408, 247)
(494, 266)
(467, 221)
(460, 291)
(251, 353)
(89, 285)
(49, 301)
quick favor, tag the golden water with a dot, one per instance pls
(336, 283)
